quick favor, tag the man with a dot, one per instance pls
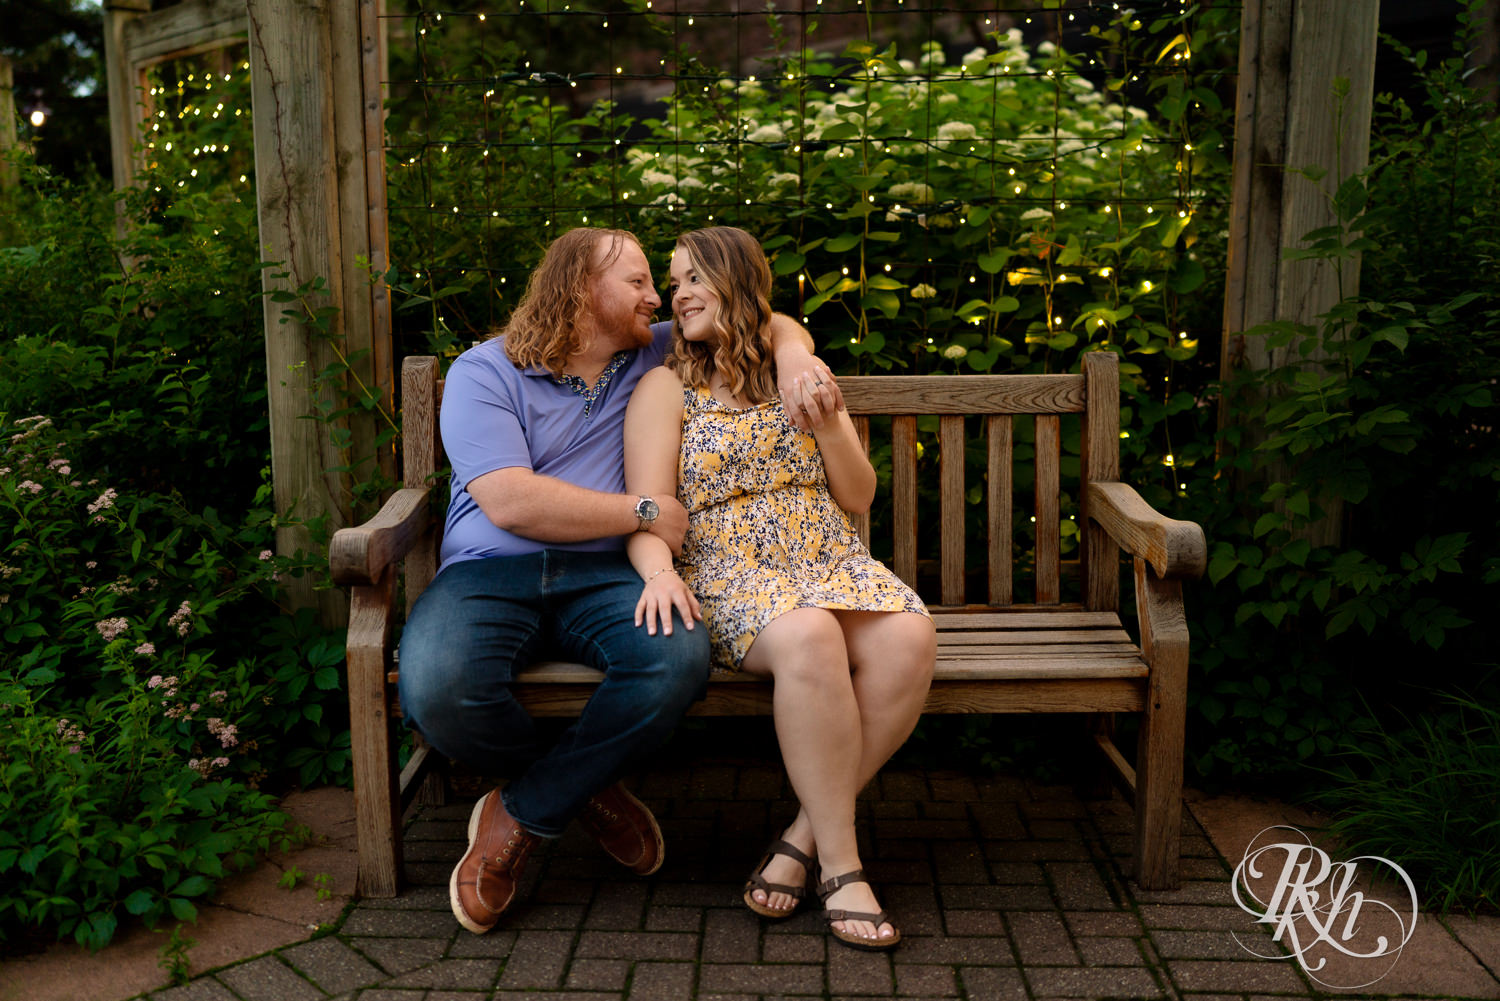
(533, 564)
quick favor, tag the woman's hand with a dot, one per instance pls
(662, 593)
(811, 396)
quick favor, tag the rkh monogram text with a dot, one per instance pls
(1312, 903)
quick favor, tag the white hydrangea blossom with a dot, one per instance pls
(923, 291)
(954, 131)
(1046, 48)
(912, 191)
(783, 179)
(1036, 213)
(767, 134)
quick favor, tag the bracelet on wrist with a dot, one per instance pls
(658, 573)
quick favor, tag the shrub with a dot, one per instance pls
(143, 701)
(1425, 793)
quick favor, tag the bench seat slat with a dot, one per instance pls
(1026, 652)
(1029, 619)
(1039, 637)
(1016, 695)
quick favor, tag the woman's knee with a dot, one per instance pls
(901, 648)
(804, 645)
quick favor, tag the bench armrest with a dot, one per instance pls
(1175, 549)
(362, 554)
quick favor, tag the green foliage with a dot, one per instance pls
(1381, 424)
(1003, 211)
(144, 699)
(1423, 794)
(155, 693)
(173, 955)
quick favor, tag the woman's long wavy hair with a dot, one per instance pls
(544, 329)
(732, 264)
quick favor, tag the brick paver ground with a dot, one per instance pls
(1006, 890)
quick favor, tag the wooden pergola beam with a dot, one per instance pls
(1288, 120)
(319, 170)
(8, 132)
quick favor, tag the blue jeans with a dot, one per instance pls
(480, 621)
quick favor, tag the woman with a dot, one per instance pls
(786, 588)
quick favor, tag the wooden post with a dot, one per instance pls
(359, 129)
(8, 133)
(1288, 120)
(312, 174)
(124, 87)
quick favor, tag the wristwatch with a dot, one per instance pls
(645, 514)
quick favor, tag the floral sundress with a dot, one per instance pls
(764, 534)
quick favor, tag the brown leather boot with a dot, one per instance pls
(484, 881)
(625, 829)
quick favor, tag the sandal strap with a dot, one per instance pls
(827, 888)
(878, 919)
(791, 851)
(759, 882)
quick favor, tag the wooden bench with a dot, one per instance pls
(995, 655)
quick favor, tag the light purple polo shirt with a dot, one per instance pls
(496, 415)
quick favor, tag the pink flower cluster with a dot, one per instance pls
(226, 732)
(181, 619)
(170, 684)
(103, 502)
(71, 734)
(204, 765)
(110, 628)
(146, 649)
(35, 488)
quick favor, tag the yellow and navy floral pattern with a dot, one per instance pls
(764, 534)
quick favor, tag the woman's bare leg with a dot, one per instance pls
(892, 655)
(818, 727)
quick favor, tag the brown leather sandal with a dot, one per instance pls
(758, 881)
(827, 888)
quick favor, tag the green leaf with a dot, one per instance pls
(1222, 565)
(887, 303)
(788, 263)
(882, 282)
(193, 886)
(992, 262)
(842, 242)
(139, 902)
(1187, 277)
(1267, 522)
(182, 910)
(327, 678)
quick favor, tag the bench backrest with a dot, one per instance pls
(990, 404)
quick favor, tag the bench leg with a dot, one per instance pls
(377, 802)
(1160, 750)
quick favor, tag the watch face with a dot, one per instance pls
(647, 509)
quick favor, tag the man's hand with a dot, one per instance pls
(671, 522)
(810, 394)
